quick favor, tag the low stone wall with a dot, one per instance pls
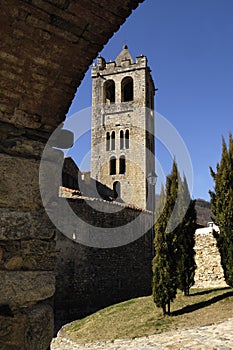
(90, 278)
(209, 272)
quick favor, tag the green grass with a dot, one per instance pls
(140, 317)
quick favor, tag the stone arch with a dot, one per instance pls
(48, 47)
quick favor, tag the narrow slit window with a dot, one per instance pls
(113, 141)
(122, 167)
(112, 166)
(127, 139)
(121, 139)
(107, 141)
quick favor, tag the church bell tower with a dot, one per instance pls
(122, 150)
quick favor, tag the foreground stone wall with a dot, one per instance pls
(209, 272)
(89, 278)
(47, 46)
(27, 247)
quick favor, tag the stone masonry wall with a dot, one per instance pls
(90, 278)
(209, 272)
(27, 247)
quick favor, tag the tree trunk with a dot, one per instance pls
(168, 309)
(164, 310)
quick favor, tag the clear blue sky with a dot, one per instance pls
(189, 46)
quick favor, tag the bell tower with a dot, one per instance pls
(122, 150)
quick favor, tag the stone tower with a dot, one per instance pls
(122, 154)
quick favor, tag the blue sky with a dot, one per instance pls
(189, 46)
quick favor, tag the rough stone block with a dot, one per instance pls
(23, 147)
(27, 331)
(19, 183)
(17, 224)
(37, 335)
(27, 255)
(12, 332)
(21, 288)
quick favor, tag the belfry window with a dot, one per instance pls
(127, 89)
(127, 139)
(112, 165)
(109, 92)
(121, 139)
(122, 166)
(107, 141)
(113, 141)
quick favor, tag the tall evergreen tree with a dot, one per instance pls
(222, 208)
(186, 241)
(164, 283)
(160, 202)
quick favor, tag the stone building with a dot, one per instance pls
(123, 127)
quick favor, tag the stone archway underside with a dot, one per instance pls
(46, 48)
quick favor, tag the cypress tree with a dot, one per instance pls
(222, 208)
(186, 241)
(164, 283)
(160, 203)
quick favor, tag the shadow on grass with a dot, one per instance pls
(208, 291)
(190, 308)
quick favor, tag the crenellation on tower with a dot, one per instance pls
(141, 61)
(101, 63)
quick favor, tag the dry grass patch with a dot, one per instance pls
(140, 317)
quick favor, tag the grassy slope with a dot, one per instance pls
(140, 317)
